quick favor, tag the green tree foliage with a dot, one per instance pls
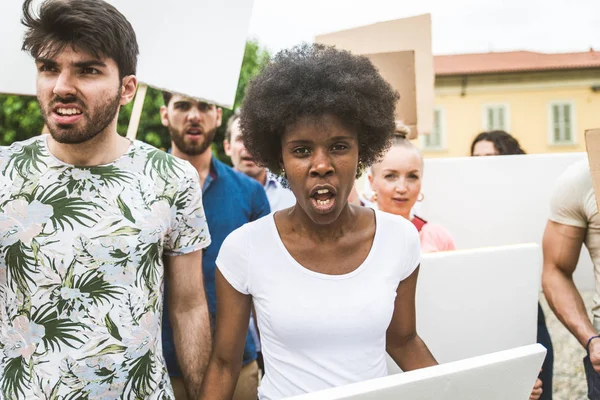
(255, 59)
(20, 117)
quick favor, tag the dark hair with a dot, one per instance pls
(167, 97)
(504, 143)
(310, 81)
(92, 25)
(234, 117)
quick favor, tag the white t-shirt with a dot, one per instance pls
(319, 331)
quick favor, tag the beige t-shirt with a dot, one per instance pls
(573, 203)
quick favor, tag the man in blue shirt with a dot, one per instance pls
(230, 199)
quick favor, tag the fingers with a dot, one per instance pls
(536, 393)
(595, 359)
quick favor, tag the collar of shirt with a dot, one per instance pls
(213, 174)
(272, 181)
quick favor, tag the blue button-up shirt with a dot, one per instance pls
(230, 200)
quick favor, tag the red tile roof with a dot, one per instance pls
(513, 61)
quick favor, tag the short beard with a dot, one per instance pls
(178, 139)
(66, 134)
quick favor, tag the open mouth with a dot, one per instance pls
(66, 114)
(323, 198)
(194, 132)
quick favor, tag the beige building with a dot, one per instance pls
(546, 101)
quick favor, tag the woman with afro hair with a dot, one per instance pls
(332, 284)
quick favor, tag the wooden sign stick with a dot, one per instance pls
(136, 112)
(592, 142)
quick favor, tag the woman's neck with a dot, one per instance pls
(322, 233)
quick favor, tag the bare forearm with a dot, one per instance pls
(219, 380)
(411, 353)
(191, 333)
(566, 302)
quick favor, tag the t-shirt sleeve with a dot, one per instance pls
(412, 250)
(189, 230)
(233, 259)
(567, 201)
(436, 238)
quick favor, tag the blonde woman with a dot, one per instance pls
(396, 186)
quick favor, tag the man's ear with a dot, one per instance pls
(128, 89)
(219, 116)
(164, 115)
(227, 147)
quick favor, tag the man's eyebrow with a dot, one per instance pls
(90, 63)
(79, 64)
(46, 61)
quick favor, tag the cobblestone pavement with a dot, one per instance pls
(569, 376)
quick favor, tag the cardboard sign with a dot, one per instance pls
(592, 143)
(506, 375)
(388, 65)
(192, 47)
(392, 46)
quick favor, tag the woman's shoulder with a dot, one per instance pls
(257, 228)
(392, 221)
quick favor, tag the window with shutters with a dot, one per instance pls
(561, 123)
(496, 117)
(435, 140)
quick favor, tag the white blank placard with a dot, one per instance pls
(507, 375)
(496, 201)
(476, 302)
(17, 69)
(193, 47)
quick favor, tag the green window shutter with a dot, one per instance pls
(567, 123)
(501, 124)
(556, 123)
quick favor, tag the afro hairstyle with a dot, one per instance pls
(311, 80)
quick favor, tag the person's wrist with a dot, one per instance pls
(590, 341)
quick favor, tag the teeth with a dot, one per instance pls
(323, 191)
(68, 111)
(323, 202)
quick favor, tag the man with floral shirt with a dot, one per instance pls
(90, 224)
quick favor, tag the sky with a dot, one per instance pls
(458, 26)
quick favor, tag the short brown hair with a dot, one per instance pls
(234, 117)
(93, 25)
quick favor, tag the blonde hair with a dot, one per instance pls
(399, 139)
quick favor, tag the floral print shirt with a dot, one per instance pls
(81, 270)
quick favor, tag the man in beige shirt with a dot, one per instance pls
(574, 220)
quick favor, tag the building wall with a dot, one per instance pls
(528, 96)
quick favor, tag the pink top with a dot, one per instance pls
(435, 238)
